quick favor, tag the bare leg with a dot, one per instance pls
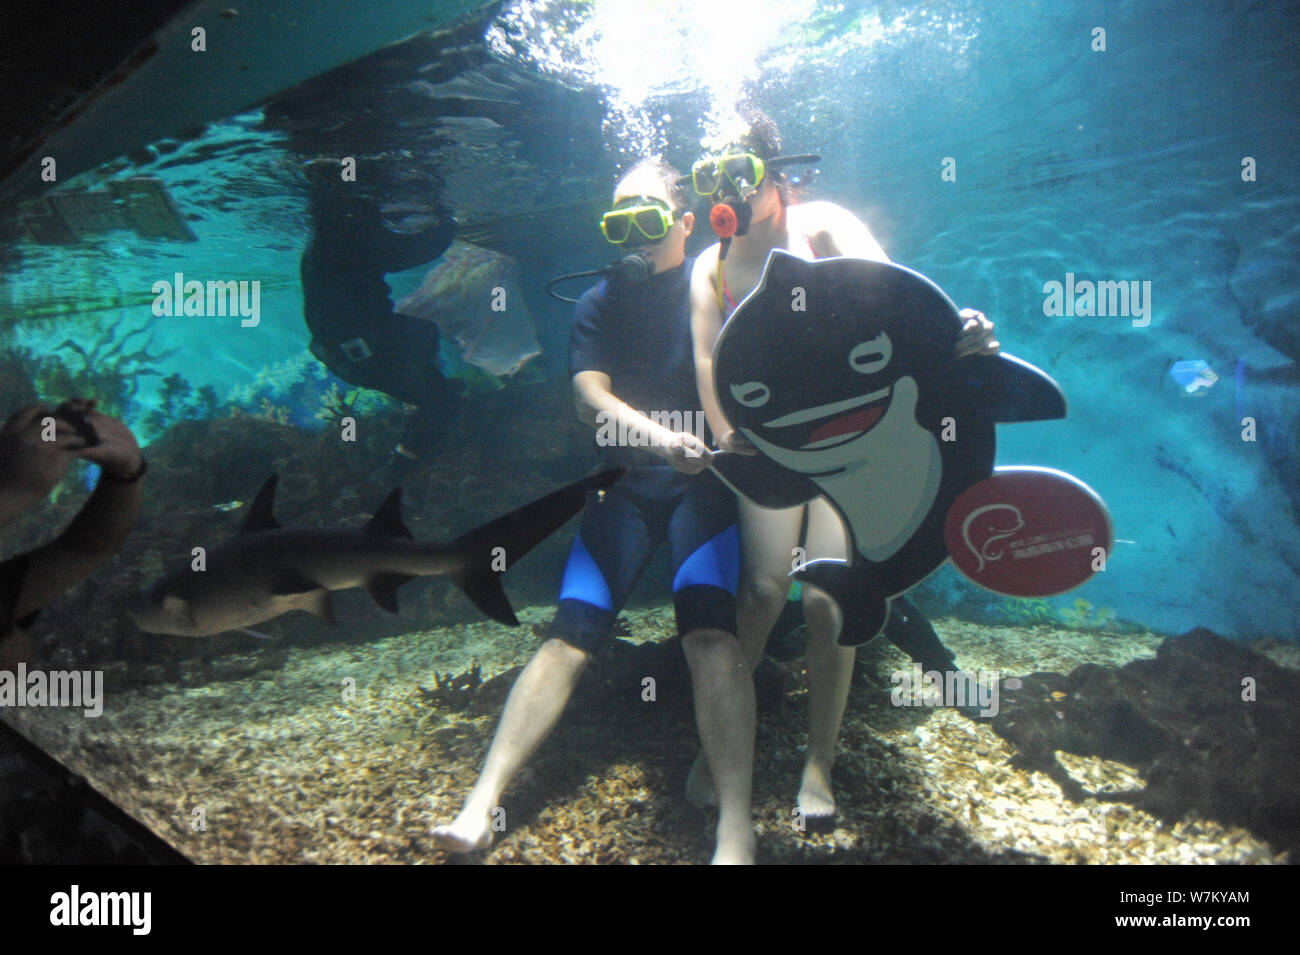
(724, 710)
(534, 706)
(767, 555)
(767, 538)
(830, 667)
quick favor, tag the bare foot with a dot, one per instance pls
(735, 848)
(470, 832)
(699, 784)
(815, 798)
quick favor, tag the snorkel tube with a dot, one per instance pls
(632, 269)
(725, 222)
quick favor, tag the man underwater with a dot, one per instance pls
(631, 353)
(356, 332)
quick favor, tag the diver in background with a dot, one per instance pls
(753, 202)
(631, 354)
(30, 467)
(355, 332)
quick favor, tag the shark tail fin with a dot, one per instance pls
(487, 551)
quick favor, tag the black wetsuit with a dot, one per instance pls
(355, 331)
(640, 336)
(12, 574)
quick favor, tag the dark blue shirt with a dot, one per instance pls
(640, 336)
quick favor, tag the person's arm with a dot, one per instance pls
(98, 530)
(706, 325)
(834, 230)
(599, 407)
(95, 535)
(31, 465)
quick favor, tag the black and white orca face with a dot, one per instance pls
(827, 435)
(826, 364)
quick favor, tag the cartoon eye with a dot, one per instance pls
(752, 394)
(870, 357)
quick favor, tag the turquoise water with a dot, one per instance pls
(1122, 164)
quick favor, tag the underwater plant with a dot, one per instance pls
(105, 368)
(1030, 611)
(335, 404)
(178, 401)
(109, 371)
(1084, 616)
(301, 391)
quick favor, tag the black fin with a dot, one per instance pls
(908, 630)
(516, 534)
(387, 521)
(260, 517)
(322, 605)
(383, 588)
(762, 480)
(862, 611)
(1006, 389)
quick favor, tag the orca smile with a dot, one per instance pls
(836, 426)
(851, 425)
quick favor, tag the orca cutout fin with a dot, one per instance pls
(1008, 389)
(762, 480)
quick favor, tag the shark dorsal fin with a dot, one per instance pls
(387, 521)
(260, 517)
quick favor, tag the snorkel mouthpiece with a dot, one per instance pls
(730, 218)
(634, 269)
(724, 221)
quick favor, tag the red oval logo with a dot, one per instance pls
(1028, 532)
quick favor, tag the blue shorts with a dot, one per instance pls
(694, 513)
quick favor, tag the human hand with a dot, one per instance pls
(687, 453)
(116, 450)
(737, 442)
(976, 337)
(37, 444)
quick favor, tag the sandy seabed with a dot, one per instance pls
(284, 767)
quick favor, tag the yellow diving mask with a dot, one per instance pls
(743, 171)
(650, 217)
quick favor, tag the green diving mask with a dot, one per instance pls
(650, 217)
(742, 171)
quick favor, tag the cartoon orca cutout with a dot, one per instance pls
(842, 372)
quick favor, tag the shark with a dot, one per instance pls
(267, 570)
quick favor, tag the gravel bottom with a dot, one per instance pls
(339, 757)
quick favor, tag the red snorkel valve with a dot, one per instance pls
(724, 222)
(723, 219)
